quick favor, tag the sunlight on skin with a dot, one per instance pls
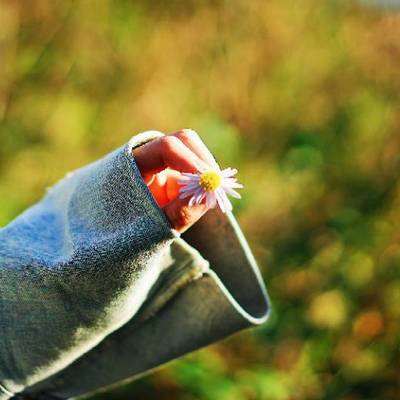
(164, 186)
(159, 162)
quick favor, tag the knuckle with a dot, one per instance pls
(189, 135)
(170, 143)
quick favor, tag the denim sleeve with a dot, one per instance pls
(77, 266)
(211, 289)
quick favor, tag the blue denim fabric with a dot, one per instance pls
(96, 287)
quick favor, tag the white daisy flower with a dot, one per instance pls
(213, 185)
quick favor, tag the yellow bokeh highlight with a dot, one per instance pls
(328, 310)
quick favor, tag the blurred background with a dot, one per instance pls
(302, 98)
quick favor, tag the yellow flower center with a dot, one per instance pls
(210, 181)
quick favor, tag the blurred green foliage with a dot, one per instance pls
(302, 98)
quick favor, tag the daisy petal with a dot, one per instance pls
(189, 187)
(230, 180)
(220, 201)
(185, 194)
(210, 199)
(190, 175)
(192, 201)
(203, 195)
(198, 193)
(232, 192)
(199, 196)
(227, 203)
(188, 182)
(236, 185)
(213, 201)
(228, 172)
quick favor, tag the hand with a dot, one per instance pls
(161, 161)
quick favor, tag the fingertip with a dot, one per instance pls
(193, 141)
(181, 215)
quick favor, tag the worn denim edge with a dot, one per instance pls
(252, 264)
(168, 231)
(136, 141)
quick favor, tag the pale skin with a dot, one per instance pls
(161, 161)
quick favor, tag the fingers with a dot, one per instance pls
(164, 186)
(161, 161)
(172, 185)
(192, 140)
(181, 215)
(167, 151)
(157, 187)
